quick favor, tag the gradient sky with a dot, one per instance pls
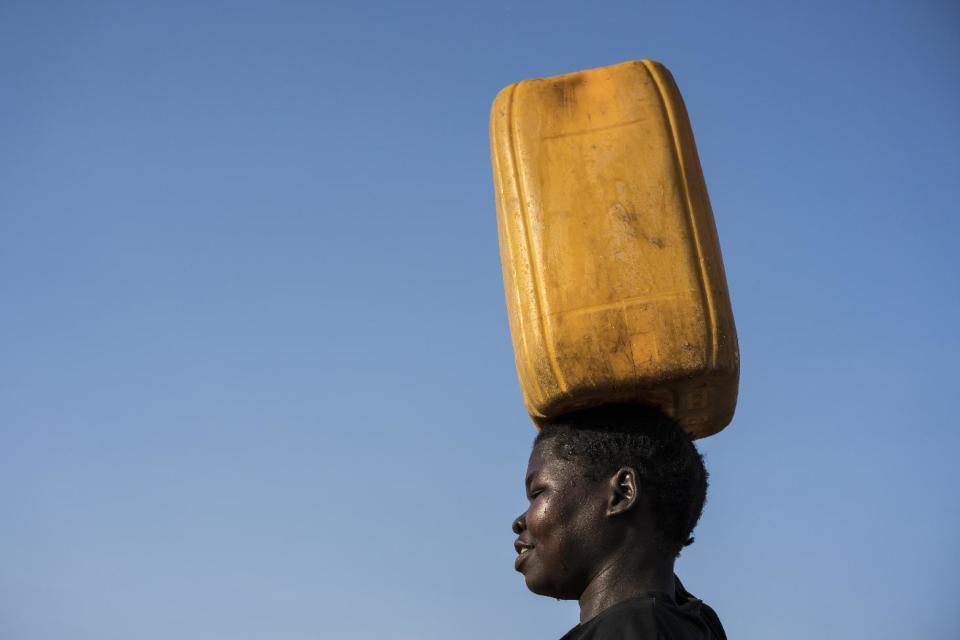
(256, 378)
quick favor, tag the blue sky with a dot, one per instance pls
(256, 375)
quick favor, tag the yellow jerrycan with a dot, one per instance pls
(611, 263)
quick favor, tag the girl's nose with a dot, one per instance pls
(520, 524)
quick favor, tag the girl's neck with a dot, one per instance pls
(622, 578)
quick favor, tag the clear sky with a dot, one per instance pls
(256, 378)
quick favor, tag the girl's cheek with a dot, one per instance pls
(538, 516)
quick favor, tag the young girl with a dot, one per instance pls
(615, 493)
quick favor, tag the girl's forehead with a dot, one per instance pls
(544, 462)
(541, 456)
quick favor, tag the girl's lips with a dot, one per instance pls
(523, 551)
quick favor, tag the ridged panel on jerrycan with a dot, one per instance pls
(611, 262)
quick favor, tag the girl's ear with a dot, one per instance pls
(622, 491)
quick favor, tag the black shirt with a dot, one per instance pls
(653, 616)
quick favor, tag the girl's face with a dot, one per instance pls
(559, 541)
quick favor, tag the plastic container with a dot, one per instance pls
(611, 263)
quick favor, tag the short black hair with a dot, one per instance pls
(670, 470)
